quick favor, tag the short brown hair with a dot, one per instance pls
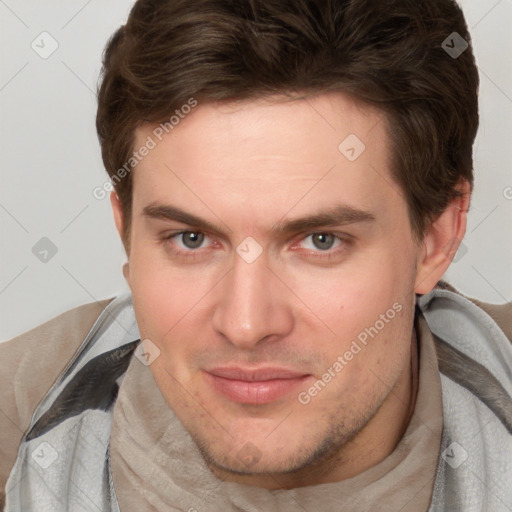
(387, 53)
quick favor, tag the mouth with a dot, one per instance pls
(255, 386)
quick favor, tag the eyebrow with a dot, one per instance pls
(330, 217)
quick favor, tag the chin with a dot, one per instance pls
(245, 457)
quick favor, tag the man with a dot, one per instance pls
(291, 183)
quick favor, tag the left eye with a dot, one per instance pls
(190, 239)
(321, 241)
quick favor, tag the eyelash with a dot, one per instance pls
(344, 240)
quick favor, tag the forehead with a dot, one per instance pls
(281, 125)
(268, 155)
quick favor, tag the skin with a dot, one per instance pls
(246, 168)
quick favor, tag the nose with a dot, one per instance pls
(252, 305)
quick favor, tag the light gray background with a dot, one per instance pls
(50, 161)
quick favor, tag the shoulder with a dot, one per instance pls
(500, 313)
(29, 365)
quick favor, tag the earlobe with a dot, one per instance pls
(442, 241)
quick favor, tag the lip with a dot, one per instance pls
(255, 386)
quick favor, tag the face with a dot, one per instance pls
(273, 265)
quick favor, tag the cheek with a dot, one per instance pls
(356, 293)
(367, 307)
(170, 305)
(156, 301)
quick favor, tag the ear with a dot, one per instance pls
(117, 210)
(442, 241)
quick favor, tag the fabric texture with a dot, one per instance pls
(475, 470)
(29, 365)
